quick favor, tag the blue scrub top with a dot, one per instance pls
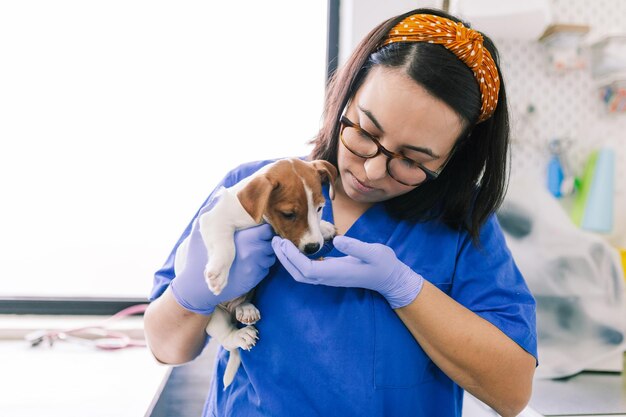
(327, 351)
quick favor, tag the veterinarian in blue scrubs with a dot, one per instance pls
(418, 297)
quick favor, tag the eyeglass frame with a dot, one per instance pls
(430, 174)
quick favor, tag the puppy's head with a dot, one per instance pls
(288, 195)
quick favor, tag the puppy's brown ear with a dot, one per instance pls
(255, 196)
(327, 172)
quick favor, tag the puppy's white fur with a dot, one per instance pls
(217, 227)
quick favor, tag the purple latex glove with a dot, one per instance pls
(253, 259)
(367, 265)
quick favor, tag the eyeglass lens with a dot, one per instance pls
(402, 170)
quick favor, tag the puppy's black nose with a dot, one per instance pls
(311, 248)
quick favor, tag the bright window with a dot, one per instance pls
(118, 118)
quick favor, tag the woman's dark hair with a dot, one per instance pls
(473, 184)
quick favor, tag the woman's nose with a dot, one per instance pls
(376, 167)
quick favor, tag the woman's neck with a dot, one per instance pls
(345, 210)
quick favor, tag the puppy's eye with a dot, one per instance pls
(288, 215)
(319, 209)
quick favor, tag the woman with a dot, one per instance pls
(418, 297)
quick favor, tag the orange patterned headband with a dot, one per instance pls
(465, 43)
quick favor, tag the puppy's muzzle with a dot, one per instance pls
(311, 248)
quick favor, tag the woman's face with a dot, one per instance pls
(407, 120)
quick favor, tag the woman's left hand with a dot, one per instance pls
(367, 265)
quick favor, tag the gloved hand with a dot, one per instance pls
(367, 265)
(253, 259)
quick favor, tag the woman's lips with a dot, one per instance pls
(360, 186)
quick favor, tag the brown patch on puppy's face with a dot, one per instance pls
(289, 196)
(294, 205)
(288, 208)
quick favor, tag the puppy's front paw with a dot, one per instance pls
(328, 230)
(247, 313)
(244, 338)
(216, 277)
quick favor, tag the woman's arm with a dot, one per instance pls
(470, 350)
(174, 335)
(175, 322)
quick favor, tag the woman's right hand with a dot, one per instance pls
(253, 259)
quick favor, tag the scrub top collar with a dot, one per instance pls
(373, 226)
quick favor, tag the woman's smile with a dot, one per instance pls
(360, 186)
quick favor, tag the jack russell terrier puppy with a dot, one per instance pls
(287, 194)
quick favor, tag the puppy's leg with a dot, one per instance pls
(218, 239)
(247, 313)
(215, 276)
(328, 230)
(218, 266)
(243, 309)
(222, 329)
(217, 227)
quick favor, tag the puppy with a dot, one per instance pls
(287, 194)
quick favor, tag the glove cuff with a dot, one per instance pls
(408, 286)
(206, 311)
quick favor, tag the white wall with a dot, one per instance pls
(118, 118)
(358, 17)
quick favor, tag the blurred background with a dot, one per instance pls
(117, 119)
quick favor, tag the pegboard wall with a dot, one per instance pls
(566, 105)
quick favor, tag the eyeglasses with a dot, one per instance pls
(365, 145)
